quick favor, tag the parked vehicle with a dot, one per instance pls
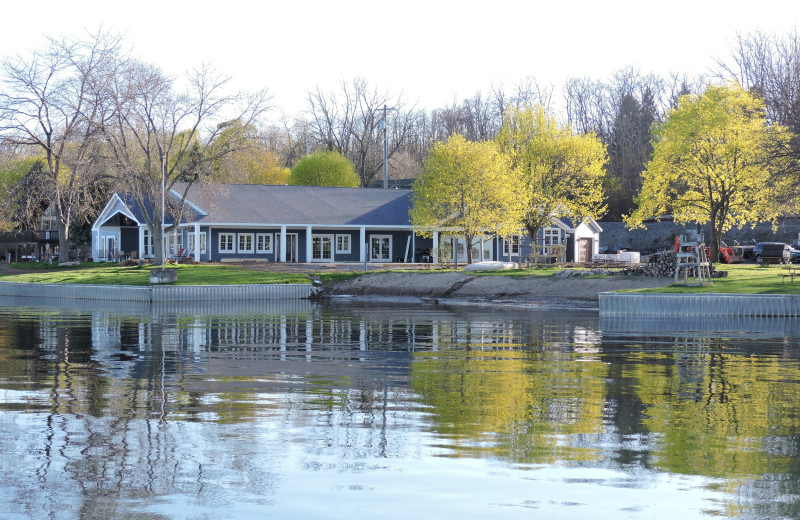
(727, 254)
(771, 253)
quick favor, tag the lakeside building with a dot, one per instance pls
(307, 224)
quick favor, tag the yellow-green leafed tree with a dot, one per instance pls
(713, 164)
(466, 188)
(324, 168)
(560, 173)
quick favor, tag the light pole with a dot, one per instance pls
(163, 182)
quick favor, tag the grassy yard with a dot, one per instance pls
(187, 275)
(741, 279)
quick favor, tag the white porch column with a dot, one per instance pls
(435, 247)
(197, 242)
(141, 242)
(362, 247)
(282, 251)
(308, 244)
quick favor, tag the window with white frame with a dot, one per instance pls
(245, 243)
(148, 244)
(191, 243)
(380, 248)
(343, 244)
(264, 243)
(514, 241)
(226, 242)
(551, 236)
(321, 247)
(174, 243)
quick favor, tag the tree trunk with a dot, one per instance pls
(63, 241)
(158, 244)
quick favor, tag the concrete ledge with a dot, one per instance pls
(172, 293)
(734, 305)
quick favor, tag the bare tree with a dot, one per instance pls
(769, 66)
(159, 135)
(48, 103)
(349, 122)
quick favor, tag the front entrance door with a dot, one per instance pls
(291, 247)
(585, 250)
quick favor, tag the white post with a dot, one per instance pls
(197, 242)
(362, 257)
(435, 251)
(282, 251)
(308, 245)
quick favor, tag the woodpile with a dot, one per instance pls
(660, 264)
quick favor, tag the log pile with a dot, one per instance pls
(661, 264)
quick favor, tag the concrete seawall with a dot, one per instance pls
(730, 305)
(159, 293)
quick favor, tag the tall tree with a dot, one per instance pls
(713, 164)
(465, 187)
(161, 138)
(48, 103)
(559, 172)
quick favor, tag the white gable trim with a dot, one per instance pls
(114, 206)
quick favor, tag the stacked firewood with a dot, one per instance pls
(661, 264)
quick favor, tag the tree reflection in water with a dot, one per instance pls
(313, 409)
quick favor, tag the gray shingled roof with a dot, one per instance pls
(301, 205)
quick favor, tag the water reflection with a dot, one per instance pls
(299, 410)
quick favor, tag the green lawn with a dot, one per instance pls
(187, 275)
(741, 279)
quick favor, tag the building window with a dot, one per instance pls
(174, 243)
(148, 244)
(514, 241)
(551, 236)
(190, 240)
(380, 248)
(343, 244)
(245, 243)
(226, 242)
(264, 243)
(321, 247)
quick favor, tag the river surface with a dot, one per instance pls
(351, 410)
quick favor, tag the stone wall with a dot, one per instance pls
(658, 236)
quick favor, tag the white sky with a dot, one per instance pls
(430, 50)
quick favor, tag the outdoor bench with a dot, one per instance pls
(790, 273)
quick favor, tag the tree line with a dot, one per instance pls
(81, 118)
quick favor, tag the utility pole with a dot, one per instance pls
(385, 147)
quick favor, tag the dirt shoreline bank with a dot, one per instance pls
(558, 291)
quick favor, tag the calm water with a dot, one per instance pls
(377, 411)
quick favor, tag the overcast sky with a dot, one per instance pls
(430, 50)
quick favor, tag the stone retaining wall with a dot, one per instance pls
(658, 236)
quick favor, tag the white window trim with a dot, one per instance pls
(373, 237)
(323, 237)
(232, 237)
(346, 250)
(551, 232)
(239, 248)
(190, 247)
(271, 243)
(516, 244)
